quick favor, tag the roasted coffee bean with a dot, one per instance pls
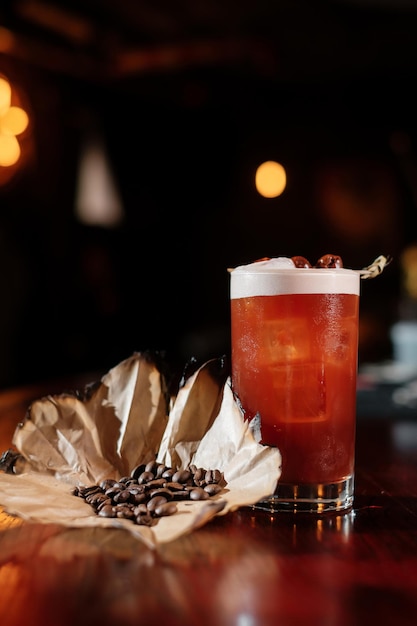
(174, 486)
(162, 491)
(211, 477)
(154, 502)
(124, 511)
(160, 470)
(86, 491)
(166, 508)
(138, 470)
(168, 473)
(96, 498)
(104, 503)
(112, 491)
(156, 482)
(218, 477)
(137, 488)
(131, 482)
(145, 520)
(213, 488)
(198, 493)
(181, 476)
(199, 475)
(145, 477)
(181, 495)
(140, 509)
(122, 496)
(107, 483)
(107, 511)
(151, 467)
(137, 498)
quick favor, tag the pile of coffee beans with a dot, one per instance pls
(151, 491)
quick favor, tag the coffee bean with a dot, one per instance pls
(184, 494)
(104, 503)
(156, 482)
(140, 509)
(213, 488)
(211, 477)
(124, 511)
(96, 498)
(137, 498)
(198, 493)
(174, 486)
(168, 473)
(155, 502)
(145, 520)
(122, 496)
(138, 470)
(199, 475)
(107, 511)
(135, 489)
(151, 467)
(166, 508)
(160, 470)
(145, 477)
(131, 482)
(112, 491)
(162, 491)
(181, 476)
(86, 491)
(107, 483)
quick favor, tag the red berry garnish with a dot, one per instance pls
(300, 261)
(329, 261)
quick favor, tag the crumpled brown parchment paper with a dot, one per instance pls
(126, 419)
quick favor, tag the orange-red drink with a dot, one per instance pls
(294, 338)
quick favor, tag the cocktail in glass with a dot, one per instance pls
(294, 340)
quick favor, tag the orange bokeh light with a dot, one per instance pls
(270, 179)
(13, 122)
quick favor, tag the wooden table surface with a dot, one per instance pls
(243, 569)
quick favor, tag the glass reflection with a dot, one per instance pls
(313, 528)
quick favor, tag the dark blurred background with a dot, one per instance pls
(186, 99)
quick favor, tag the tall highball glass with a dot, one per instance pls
(294, 349)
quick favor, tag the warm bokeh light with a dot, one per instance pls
(9, 150)
(13, 121)
(270, 179)
(5, 95)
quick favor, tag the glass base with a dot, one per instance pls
(312, 498)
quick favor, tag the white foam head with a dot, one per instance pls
(280, 276)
